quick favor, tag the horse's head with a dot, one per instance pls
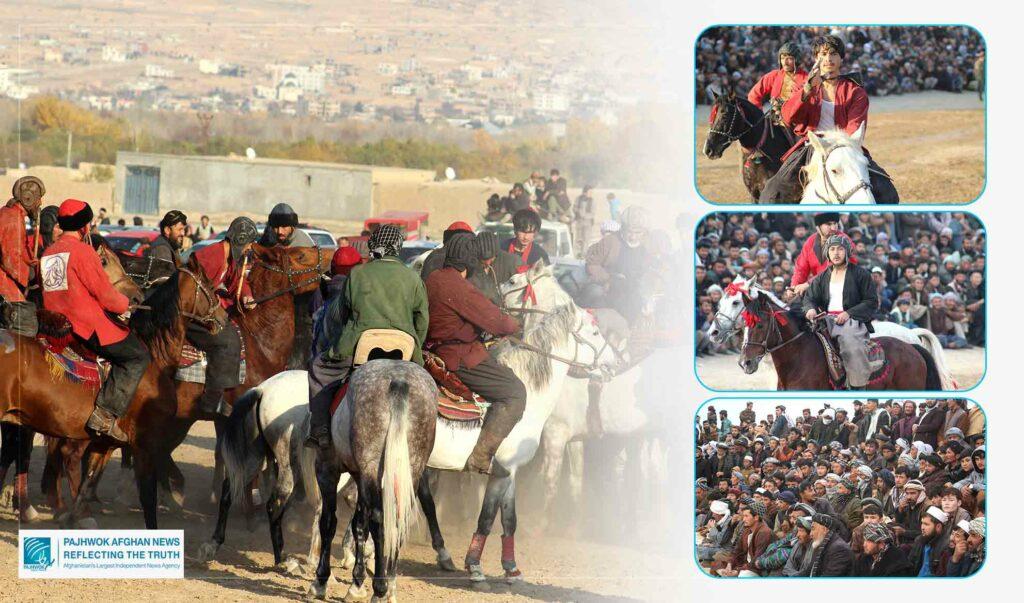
(535, 288)
(838, 169)
(184, 296)
(727, 319)
(115, 271)
(766, 326)
(198, 302)
(291, 270)
(728, 124)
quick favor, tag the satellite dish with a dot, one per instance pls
(250, 153)
(449, 173)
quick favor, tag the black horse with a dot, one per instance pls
(763, 142)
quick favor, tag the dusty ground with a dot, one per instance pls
(557, 568)
(932, 144)
(722, 372)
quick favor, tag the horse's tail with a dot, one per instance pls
(932, 381)
(934, 347)
(396, 482)
(242, 446)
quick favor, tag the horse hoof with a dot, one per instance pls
(476, 573)
(29, 515)
(207, 551)
(444, 561)
(290, 566)
(87, 523)
(317, 590)
(357, 594)
(513, 577)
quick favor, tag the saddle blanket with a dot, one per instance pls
(68, 365)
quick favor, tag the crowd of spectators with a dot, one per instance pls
(891, 488)
(929, 267)
(890, 59)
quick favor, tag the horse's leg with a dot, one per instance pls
(26, 511)
(574, 453)
(173, 482)
(327, 476)
(126, 479)
(218, 462)
(444, 558)
(277, 503)
(146, 480)
(508, 536)
(496, 487)
(92, 495)
(49, 482)
(360, 528)
(382, 566)
(208, 549)
(79, 506)
(8, 453)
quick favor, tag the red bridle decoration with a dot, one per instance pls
(781, 317)
(714, 114)
(750, 318)
(734, 289)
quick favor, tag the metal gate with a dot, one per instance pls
(142, 190)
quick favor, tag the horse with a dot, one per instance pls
(161, 329)
(734, 118)
(558, 335)
(278, 274)
(772, 328)
(728, 322)
(382, 437)
(16, 440)
(837, 171)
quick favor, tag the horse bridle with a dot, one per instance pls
(146, 282)
(289, 274)
(211, 300)
(831, 187)
(732, 121)
(580, 341)
(773, 329)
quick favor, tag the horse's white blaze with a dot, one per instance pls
(847, 168)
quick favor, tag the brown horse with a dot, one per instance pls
(16, 440)
(58, 409)
(268, 334)
(800, 360)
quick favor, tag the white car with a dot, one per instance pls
(554, 237)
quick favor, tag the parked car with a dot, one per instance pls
(131, 242)
(554, 237)
(320, 237)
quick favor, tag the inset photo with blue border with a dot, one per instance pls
(840, 488)
(840, 114)
(826, 301)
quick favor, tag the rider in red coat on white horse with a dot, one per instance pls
(812, 260)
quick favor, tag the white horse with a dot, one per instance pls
(558, 335)
(838, 169)
(727, 322)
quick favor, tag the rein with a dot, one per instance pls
(775, 329)
(212, 302)
(728, 133)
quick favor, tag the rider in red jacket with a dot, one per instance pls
(75, 285)
(780, 83)
(15, 254)
(812, 261)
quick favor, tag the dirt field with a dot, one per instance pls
(722, 372)
(932, 146)
(557, 568)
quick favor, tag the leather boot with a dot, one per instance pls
(487, 444)
(104, 422)
(212, 402)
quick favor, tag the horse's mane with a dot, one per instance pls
(154, 324)
(100, 242)
(535, 369)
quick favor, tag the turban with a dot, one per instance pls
(720, 507)
(385, 241)
(825, 520)
(978, 526)
(878, 532)
(938, 514)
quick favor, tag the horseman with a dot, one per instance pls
(459, 313)
(616, 263)
(828, 100)
(225, 266)
(75, 285)
(17, 258)
(168, 245)
(526, 224)
(435, 259)
(495, 267)
(777, 86)
(845, 291)
(381, 294)
(283, 229)
(813, 258)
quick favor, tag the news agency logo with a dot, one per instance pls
(36, 553)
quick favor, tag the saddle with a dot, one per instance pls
(877, 362)
(68, 360)
(456, 402)
(192, 363)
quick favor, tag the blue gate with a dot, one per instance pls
(142, 190)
